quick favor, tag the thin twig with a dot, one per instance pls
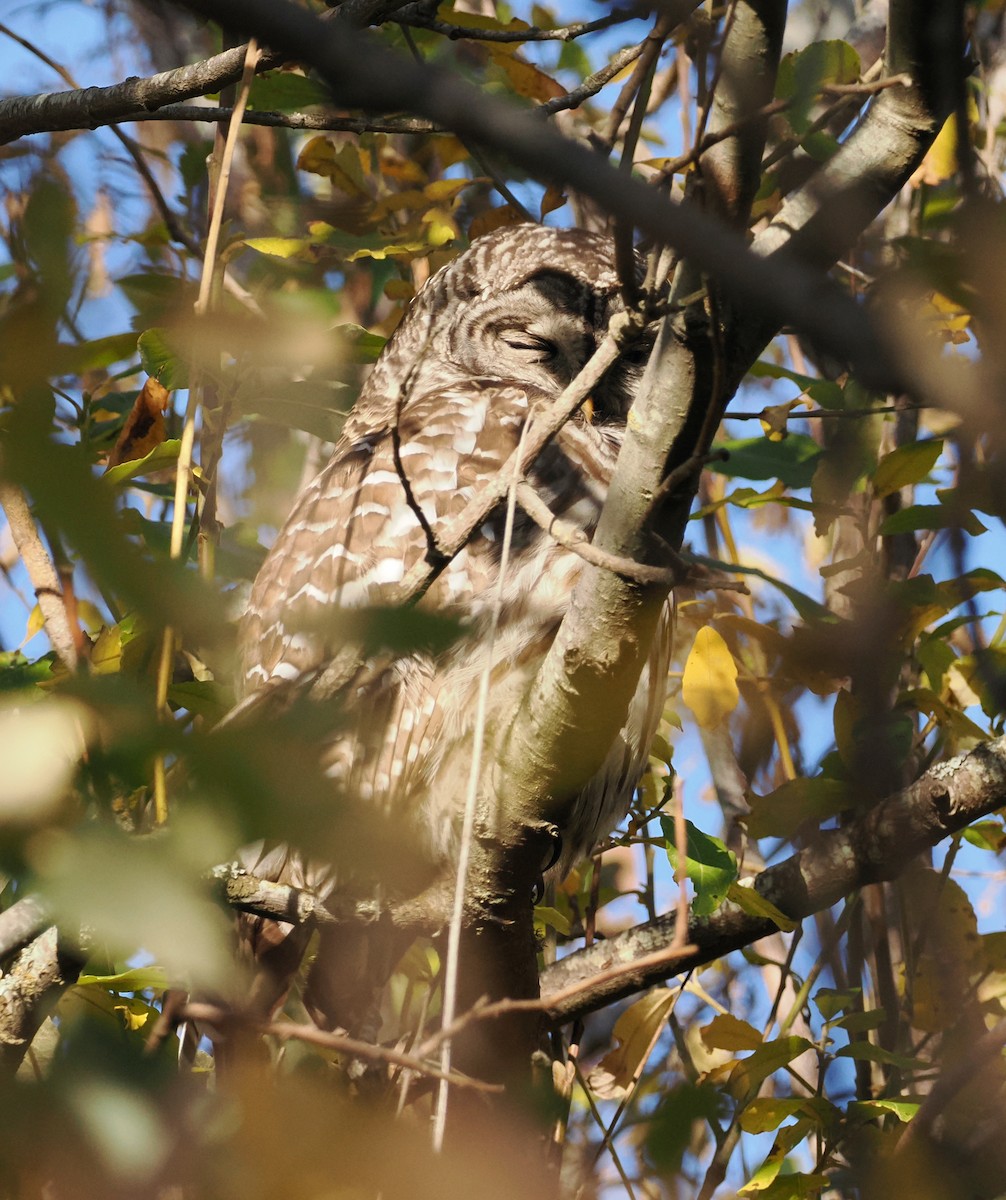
(485, 1011)
(571, 537)
(212, 1014)
(560, 33)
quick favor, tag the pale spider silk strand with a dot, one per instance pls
(471, 802)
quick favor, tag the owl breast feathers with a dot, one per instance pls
(500, 330)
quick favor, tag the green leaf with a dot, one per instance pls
(138, 979)
(782, 812)
(830, 1001)
(286, 91)
(867, 1052)
(47, 225)
(553, 919)
(860, 1022)
(793, 460)
(160, 457)
(749, 1074)
(930, 516)
(806, 607)
(95, 354)
(764, 1113)
(161, 360)
(871, 1110)
(906, 466)
(671, 1128)
(204, 697)
(311, 406)
(709, 865)
(803, 73)
(358, 344)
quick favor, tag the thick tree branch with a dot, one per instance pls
(871, 848)
(92, 107)
(731, 167)
(364, 75)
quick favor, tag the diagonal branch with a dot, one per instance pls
(874, 847)
(363, 74)
(44, 578)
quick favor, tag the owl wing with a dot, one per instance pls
(354, 533)
(368, 518)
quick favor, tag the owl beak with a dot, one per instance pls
(587, 408)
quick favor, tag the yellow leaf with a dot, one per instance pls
(106, 653)
(474, 21)
(36, 623)
(440, 226)
(134, 1015)
(775, 419)
(448, 189)
(280, 247)
(342, 166)
(756, 905)
(940, 162)
(730, 1033)
(709, 683)
(524, 78)
(635, 1030)
(396, 166)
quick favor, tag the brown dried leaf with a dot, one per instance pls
(144, 428)
(494, 218)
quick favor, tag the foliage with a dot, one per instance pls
(867, 645)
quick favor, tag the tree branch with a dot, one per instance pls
(871, 848)
(42, 573)
(365, 75)
(89, 108)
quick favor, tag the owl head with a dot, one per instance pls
(523, 305)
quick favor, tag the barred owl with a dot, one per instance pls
(500, 330)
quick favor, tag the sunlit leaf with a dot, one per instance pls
(164, 454)
(803, 73)
(872, 1110)
(747, 1076)
(905, 466)
(727, 1032)
(634, 1031)
(709, 866)
(756, 905)
(709, 683)
(161, 359)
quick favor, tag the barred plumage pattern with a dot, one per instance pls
(502, 328)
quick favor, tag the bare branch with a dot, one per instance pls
(368, 76)
(42, 573)
(212, 1014)
(91, 107)
(873, 847)
(561, 33)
